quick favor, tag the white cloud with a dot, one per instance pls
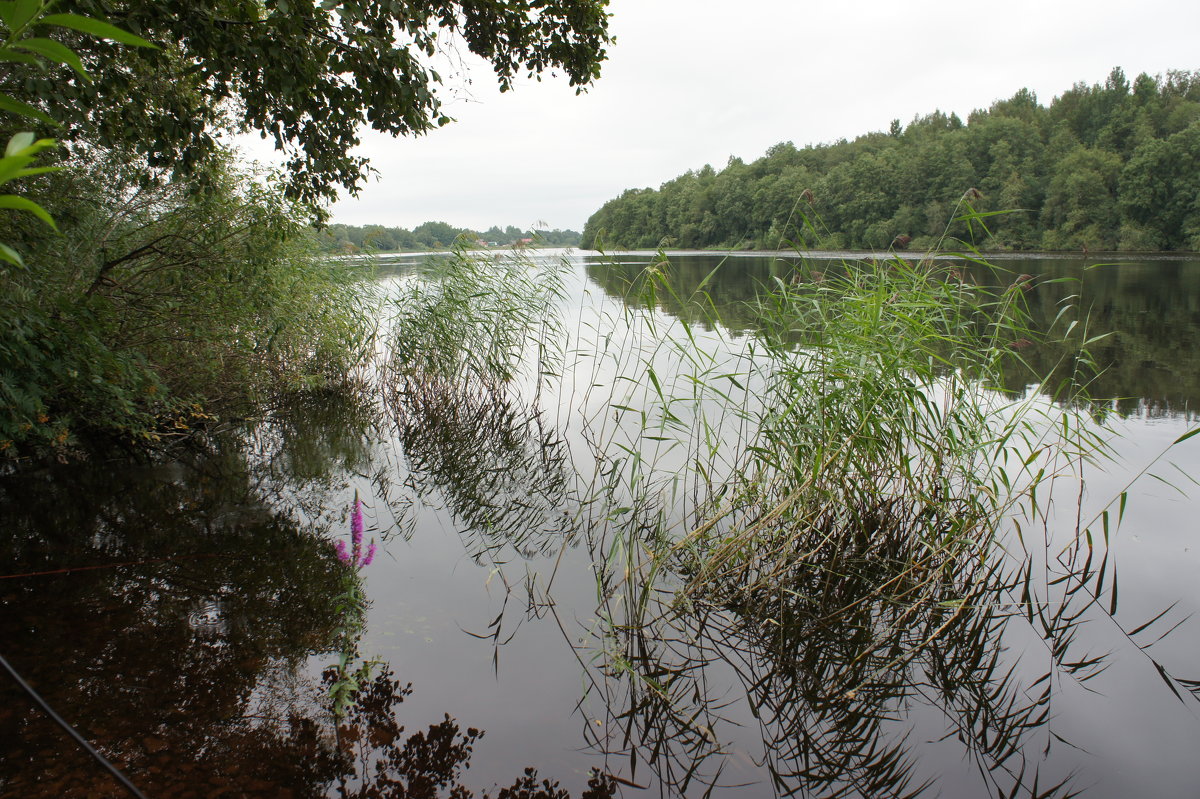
(691, 82)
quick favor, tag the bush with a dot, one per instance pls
(161, 305)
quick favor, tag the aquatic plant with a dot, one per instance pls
(474, 317)
(840, 506)
(355, 557)
(351, 672)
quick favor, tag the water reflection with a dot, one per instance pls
(880, 679)
(502, 471)
(1150, 362)
(156, 608)
(176, 614)
(376, 760)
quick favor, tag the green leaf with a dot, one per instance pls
(101, 30)
(24, 109)
(13, 167)
(12, 256)
(55, 51)
(22, 204)
(1185, 436)
(7, 174)
(18, 13)
(37, 170)
(18, 143)
(20, 58)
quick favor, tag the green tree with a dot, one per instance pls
(434, 235)
(156, 297)
(1160, 189)
(309, 74)
(1106, 165)
(1081, 203)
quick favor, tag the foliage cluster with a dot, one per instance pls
(1103, 167)
(308, 74)
(182, 285)
(158, 306)
(341, 238)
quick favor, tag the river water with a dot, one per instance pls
(180, 615)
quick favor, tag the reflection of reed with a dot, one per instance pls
(832, 663)
(827, 669)
(503, 474)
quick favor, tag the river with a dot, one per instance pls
(180, 614)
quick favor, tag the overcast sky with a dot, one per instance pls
(691, 82)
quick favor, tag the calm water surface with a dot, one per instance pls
(181, 615)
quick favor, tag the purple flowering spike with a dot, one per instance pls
(342, 554)
(356, 520)
(356, 526)
(370, 555)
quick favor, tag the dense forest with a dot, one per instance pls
(340, 238)
(1103, 167)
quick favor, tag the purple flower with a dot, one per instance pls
(356, 520)
(356, 526)
(354, 554)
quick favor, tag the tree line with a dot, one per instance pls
(339, 238)
(1112, 166)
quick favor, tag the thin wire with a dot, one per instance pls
(60, 721)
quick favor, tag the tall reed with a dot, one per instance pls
(857, 485)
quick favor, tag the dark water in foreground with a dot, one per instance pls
(181, 616)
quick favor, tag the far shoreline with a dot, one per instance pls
(817, 255)
(916, 255)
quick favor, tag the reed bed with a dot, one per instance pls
(853, 533)
(863, 423)
(841, 510)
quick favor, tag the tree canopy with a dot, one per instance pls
(309, 74)
(340, 238)
(1104, 167)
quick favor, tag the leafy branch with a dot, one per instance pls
(20, 18)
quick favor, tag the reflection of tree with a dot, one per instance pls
(203, 597)
(1151, 359)
(182, 646)
(700, 292)
(378, 761)
(309, 445)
